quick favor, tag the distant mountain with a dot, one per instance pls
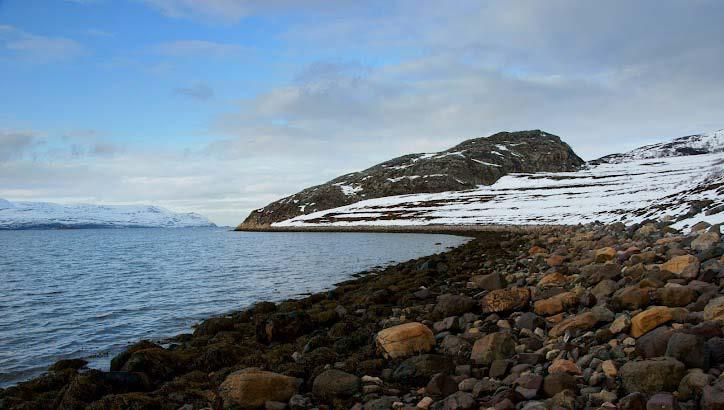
(44, 215)
(681, 180)
(475, 162)
(698, 144)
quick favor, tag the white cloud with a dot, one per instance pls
(20, 44)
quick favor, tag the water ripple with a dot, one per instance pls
(88, 293)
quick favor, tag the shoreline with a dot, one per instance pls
(510, 319)
(431, 229)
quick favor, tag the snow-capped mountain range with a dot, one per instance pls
(45, 215)
(682, 179)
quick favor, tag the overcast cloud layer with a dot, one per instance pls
(316, 89)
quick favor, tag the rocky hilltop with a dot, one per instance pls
(586, 317)
(681, 180)
(475, 162)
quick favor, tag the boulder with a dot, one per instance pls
(251, 388)
(452, 305)
(714, 310)
(662, 401)
(605, 254)
(491, 347)
(688, 349)
(652, 376)
(685, 266)
(418, 370)
(502, 300)
(555, 304)
(675, 296)
(597, 272)
(334, 383)
(488, 282)
(564, 366)
(630, 298)
(712, 397)
(456, 401)
(558, 382)
(692, 385)
(405, 340)
(441, 385)
(650, 319)
(654, 343)
(705, 241)
(584, 321)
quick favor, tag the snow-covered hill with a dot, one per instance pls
(682, 179)
(38, 215)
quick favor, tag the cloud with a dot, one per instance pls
(22, 45)
(196, 48)
(13, 144)
(198, 91)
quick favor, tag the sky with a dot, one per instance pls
(222, 106)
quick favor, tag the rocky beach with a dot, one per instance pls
(587, 317)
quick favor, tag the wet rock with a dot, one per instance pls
(251, 388)
(688, 349)
(557, 382)
(334, 383)
(452, 305)
(283, 327)
(630, 298)
(74, 364)
(129, 401)
(492, 347)
(675, 296)
(650, 319)
(693, 383)
(456, 401)
(441, 385)
(405, 340)
(502, 300)
(210, 327)
(654, 343)
(491, 281)
(684, 266)
(712, 397)
(652, 376)
(662, 401)
(418, 370)
(599, 271)
(633, 401)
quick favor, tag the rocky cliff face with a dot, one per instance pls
(479, 161)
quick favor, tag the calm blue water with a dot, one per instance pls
(88, 293)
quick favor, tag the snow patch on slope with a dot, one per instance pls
(628, 192)
(28, 215)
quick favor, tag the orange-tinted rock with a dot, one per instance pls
(553, 279)
(685, 266)
(502, 300)
(555, 260)
(251, 388)
(584, 321)
(405, 340)
(605, 254)
(564, 366)
(650, 319)
(555, 304)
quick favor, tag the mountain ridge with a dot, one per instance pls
(471, 163)
(48, 215)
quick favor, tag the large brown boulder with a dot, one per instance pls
(452, 305)
(251, 388)
(584, 321)
(555, 304)
(405, 340)
(502, 300)
(685, 266)
(652, 376)
(714, 310)
(650, 319)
